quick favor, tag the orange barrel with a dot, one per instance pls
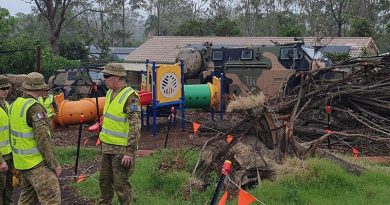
(69, 111)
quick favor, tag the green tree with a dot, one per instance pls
(55, 14)
(340, 10)
(193, 28)
(17, 55)
(360, 27)
(73, 50)
(288, 27)
(52, 62)
(6, 23)
(227, 28)
(165, 16)
(151, 25)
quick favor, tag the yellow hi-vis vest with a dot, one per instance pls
(24, 145)
(47, 104)
(5, 147)
(115, 127)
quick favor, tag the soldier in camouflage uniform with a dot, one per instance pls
(6, 166)
(31, 149)
(120, 136)
(48, 102)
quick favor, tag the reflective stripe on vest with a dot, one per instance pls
(47, 104)
(5, 147)
(24, 145)
(115, 127)
(3, 144)
(5, 127)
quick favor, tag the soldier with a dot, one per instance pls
(31, 149)
(6, 166)
(47, 100)
(120, 135)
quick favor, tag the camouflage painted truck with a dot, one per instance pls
(77, 83)
(250, 69)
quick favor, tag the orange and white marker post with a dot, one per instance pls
(226, 168)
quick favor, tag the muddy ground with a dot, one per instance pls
(68, 137)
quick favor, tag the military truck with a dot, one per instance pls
(249, 69)
(77, 83)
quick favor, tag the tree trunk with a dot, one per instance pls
(54, 44)
(362, 10)
(339, 25)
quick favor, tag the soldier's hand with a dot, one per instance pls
(127, 161)
(3, 167)
(58, 171)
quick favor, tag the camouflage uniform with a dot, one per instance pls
(6, 188)
(114, 176)
(40, 183)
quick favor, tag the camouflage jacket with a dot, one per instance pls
(40, 129)
(134, 119)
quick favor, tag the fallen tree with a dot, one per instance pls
(345, 111)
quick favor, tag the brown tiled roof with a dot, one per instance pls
(164, 49)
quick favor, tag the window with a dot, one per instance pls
(246, 55)
(72, 75)
(217, 55)
(96, 76)
(290, 53)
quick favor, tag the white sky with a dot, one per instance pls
(16, 6)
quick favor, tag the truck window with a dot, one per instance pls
(72, 75)
(290, 53)
(217, 55)
(246, 55)
(96, 77)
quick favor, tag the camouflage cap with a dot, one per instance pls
(115, 69)
(34, 81)
(4, 82)
(47, 87)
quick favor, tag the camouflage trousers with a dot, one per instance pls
(6, 188)
(113, 176)
(39, 184)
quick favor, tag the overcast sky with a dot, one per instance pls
(16, 6)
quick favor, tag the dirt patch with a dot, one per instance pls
(68, 137)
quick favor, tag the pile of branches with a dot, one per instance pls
(358, 103)
(297, 124)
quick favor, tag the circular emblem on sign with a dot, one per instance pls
(169, 85)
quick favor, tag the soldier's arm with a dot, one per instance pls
(55, 106)
(133, 111)
(36, 118)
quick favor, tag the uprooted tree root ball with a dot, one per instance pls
(317, 113)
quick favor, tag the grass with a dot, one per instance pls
(67, 155)
(150, 184)
(314, 181)
(324, 183)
